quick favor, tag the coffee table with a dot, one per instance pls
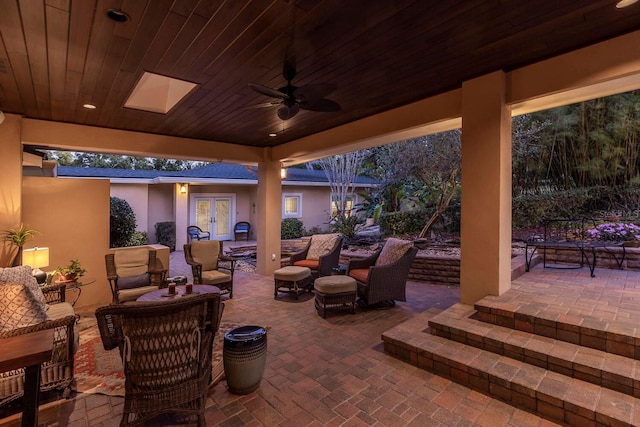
(161, 294)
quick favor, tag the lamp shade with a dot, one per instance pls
(35, 257)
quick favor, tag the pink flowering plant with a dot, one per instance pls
(615, 231)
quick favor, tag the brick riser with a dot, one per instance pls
(584, 332)
(548, 394)
(538, 354)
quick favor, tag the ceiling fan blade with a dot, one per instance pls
(263, 105)
(315, 91)
(322, 105)
(285, 112)
(267, 91)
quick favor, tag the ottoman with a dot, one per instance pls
(335, 293)
(296, 279)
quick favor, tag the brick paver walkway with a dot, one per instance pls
(320, 372)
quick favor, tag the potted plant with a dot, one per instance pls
(71, 272)
(18, 237)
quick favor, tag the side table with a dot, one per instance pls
(76, 286)
(28, 351)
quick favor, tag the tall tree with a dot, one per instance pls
(341, 171)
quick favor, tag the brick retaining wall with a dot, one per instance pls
(445, 269)
(439, 269)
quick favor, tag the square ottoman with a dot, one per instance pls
(296, 279)
(335, 293)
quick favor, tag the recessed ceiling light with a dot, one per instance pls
(117, 15)
(89, 106)
(272, 135)
(625, 3)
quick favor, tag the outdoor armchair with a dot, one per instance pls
(196, 233)
(209, 265)
(321, 255)
(166, 351)
(133, 272)
(27, 307)
(241, 231)
(382, 277)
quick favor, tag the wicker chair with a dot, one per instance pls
(380, 281)
(321, 255)
(166, 350)
(209, 266)
(133, 272)
(56, 373)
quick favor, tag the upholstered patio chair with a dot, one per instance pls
(27, 307)
(209, 265)
(321, 255)
(196, 233)
(166, 350)
(133, 272)
(382, 277)
(241, 231)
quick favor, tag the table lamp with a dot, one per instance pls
(36, 258)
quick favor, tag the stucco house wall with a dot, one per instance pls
(316, 205)
(161, 208)
(137, 195)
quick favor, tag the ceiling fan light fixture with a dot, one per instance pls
(285, 112)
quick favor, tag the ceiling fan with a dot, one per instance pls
(293, 98)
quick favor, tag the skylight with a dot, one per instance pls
(158, 94)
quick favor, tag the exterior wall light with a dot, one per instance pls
(183, 188)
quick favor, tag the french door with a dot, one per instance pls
(213, 214)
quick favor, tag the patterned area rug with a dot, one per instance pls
(100, 371)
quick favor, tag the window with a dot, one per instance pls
(291, 205)
(349, 204)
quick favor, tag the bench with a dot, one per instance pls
(569, 235)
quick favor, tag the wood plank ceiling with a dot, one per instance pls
(56, 55)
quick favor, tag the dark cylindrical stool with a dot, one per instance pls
(244, 356)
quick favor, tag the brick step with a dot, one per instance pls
(612, 371)
(619, 337)
(549, 394)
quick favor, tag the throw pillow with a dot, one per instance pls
(393, 250)
(23, 275)
(132, 282)
(321, 244)
(18, 308)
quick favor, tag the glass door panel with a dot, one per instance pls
(203, 214)
(223, 218)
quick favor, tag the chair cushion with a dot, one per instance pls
(321, 244)
(335, 284)
(309, 263)
(215, 277)
(18, 307)
(133, 281)
(206, 253)
(131, 262)
(360, 274)
(393, 250)
(291, 273)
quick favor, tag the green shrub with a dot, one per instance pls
(412, 222)
(138, 238)
(166, 234)
(345, 225)
(314, 230)
(122, 222)
(292, 228)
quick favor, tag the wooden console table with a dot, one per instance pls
(28, 351)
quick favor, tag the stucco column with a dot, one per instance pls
(486, 189)
(269, 217)
(10, 181)
(181, 214)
